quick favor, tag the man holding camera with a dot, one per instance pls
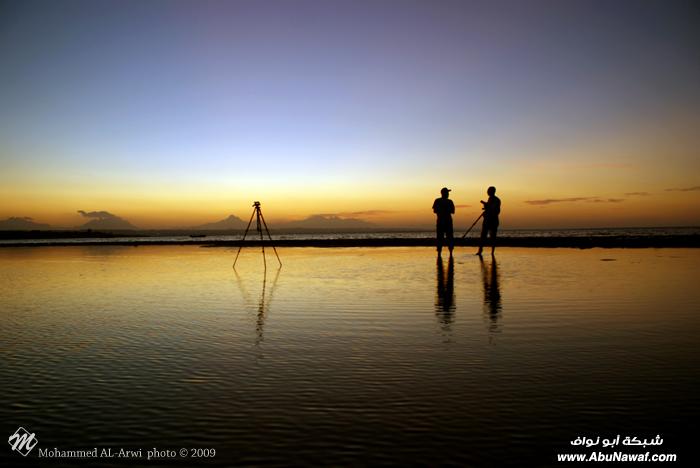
(492, 208)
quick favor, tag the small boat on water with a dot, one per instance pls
(198, 235)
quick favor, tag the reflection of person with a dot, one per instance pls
(492, 295)
(445, 297)
(444, 209)
(489, 227)
(492, 290)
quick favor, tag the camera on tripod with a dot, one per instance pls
(260, 225)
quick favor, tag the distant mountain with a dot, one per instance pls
(322, 221)
(108, 224)
(21, 224)
(104, 220)
(232, 222)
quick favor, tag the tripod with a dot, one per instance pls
(474, 224)
(258, 227)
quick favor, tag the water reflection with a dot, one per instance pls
(264, 306)
(445, 296)
(347, 342)
(263, 303)
(241, 287)
(103, 252)
(492, 293)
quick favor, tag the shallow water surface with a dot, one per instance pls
(348, 356)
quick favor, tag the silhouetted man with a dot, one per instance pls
(444, 208)
(492, 208)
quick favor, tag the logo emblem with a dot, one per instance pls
(22, 441)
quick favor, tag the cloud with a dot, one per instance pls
(637, 194)
(593, 165)
(685, 189)
(98, 214)
(605, 166)
(609, 200)
(549, 201)
(104, 220)
(324, 221)
(462, 206)
(19, 218)
(362, 213)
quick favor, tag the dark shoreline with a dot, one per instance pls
(675, 241)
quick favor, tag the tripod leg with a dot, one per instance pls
(262, 243)
(473, 224)
(270, 237)
(244, 234)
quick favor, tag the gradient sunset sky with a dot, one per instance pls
(177, 113)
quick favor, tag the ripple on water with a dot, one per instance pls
(348, 356)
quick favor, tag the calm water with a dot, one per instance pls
(348, 356)
(428, 234)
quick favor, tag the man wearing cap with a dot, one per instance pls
(444, 209)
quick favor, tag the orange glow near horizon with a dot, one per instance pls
(563, 187)
(173, 121)
(403, 206)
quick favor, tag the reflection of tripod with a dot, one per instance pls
(263, 305)
(258, 227)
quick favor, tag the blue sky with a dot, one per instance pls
(332, 97)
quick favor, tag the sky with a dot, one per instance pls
(177, 113)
